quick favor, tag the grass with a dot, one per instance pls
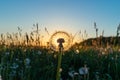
(29, 63)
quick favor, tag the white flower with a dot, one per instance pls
(7, 53)
(39, 52)
(77, 51)
(27, 61)
(112, 58)
(103, 52)
(75, 73)
(17, 59)
(55, 56)
(71, 73)
(83, 70)
(60, 70)
(119, 50)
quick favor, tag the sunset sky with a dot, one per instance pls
(69, 15)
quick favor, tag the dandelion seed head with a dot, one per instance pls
(103, 52)
(60, 70)
(55, 56)
(83, 70)
(112, 58)
(77, 51)
(27, 61)
(7, 53)
(39, 52)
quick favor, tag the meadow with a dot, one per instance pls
(25, 61)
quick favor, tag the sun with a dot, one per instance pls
(57, 35)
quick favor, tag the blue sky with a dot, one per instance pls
(68, 15)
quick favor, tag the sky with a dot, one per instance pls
(71, 16)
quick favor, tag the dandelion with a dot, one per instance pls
(17, 59)
(83, 70)
(55, 56)
(77, 51)
(119, 50)
(60, 69)
(7, 53)
(71, 73)
(39, 52)
(112, 58)
(103, 52)
(27, 62)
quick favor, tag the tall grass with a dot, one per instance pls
(22, 57)
(29, 63)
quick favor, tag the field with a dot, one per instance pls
(22, 57)
(38, 63)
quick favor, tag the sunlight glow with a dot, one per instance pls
(60, 34)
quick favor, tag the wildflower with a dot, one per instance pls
(55, 56)
(77, 51)
(83, 70)
(27, 60)
(71, 73)
(105, 49)
(103, 52)
(112, 58)
(17, 59)
(119, 50)
(39, 52)
(7, 53)
(60, 70)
